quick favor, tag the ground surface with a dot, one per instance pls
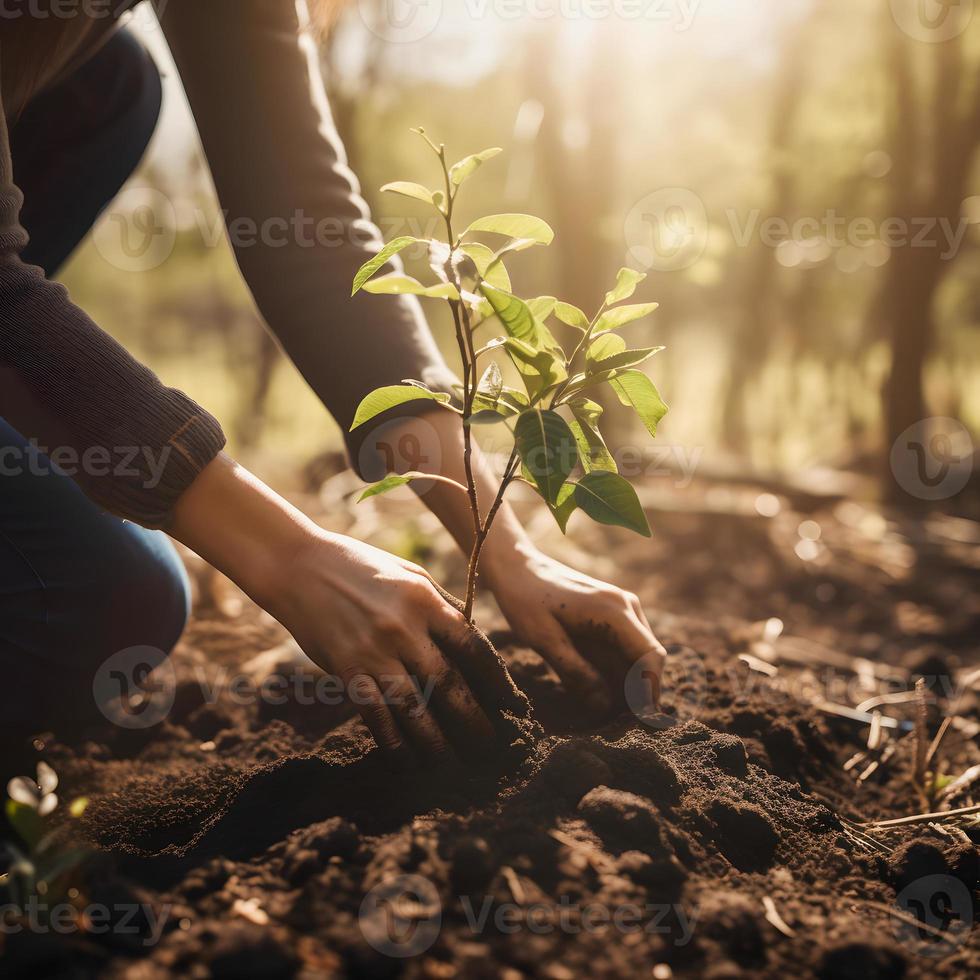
(722, 846)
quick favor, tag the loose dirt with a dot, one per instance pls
(717, 841)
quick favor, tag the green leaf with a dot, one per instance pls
(608, 352)
(563, 508)
(628, 358)
(514, 245)
(518, 319)
(408, 188)
(547, 449)
(541, 307)
(626, 283)
(609, 499)
(381, 399)
(458, 172)
(372, 265)
(515, 226)
(488, 416)
(488, 267)
(602, 347)
(621, 315)
(579, 382)
(513, 399)
(25, 821)
(635, 389)
(571, 315)
(540, 369)
(397, 283)
(585, 428)
(388, 483)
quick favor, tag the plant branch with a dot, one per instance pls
(483, 532)
(464, 341)
(586, 337)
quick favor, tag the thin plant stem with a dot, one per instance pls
(483, 533)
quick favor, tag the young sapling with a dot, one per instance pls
(553, 420)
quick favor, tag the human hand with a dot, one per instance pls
(421, 677)
(590, 632)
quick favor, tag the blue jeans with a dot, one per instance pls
(76, 584)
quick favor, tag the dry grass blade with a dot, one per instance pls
(962, 782)
(908, 919)
(938, 740)
(865, 840)
(921, 732)
(775, 919)
(900, 697)
(940, 817)
(874, 733)
(514, 884)
(596, 858)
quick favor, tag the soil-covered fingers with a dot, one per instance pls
(365, 694)
(460, 715)
(479, 667)
(580, 677)
(409, 698)
(612, 633)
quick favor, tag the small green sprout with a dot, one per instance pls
(39, 863)
(552, 418)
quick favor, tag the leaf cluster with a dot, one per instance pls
(553, 417)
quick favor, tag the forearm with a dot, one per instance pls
(241, 527)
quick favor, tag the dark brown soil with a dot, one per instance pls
(718, 843)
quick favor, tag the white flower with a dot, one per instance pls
(38, 795)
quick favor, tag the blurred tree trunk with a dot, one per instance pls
(932, 147)
(578, 179)
(755, 327)
(578, 166)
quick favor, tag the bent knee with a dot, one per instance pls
(134, 593)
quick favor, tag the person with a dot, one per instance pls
(85, 568)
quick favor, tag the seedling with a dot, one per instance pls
(40, 862)
(552, 418)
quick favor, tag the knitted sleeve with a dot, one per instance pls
(133, 444)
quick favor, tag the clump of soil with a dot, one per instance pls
(716, 842)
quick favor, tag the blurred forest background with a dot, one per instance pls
(667, 140)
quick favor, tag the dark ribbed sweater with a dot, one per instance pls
(250, 72)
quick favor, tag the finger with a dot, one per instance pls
(364, 693)
(642, 684)
(482, 670)
(458, 711)
(634, 636)
(581, 679)
(637, 608)
(644, 657)
(408, 702)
